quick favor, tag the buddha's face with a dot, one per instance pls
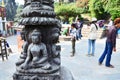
(36, 38)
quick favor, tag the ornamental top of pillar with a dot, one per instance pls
(39, 12)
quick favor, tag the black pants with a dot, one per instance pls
(73, 46)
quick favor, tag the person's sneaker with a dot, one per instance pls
(72, 55)
(111, 66)
(92, 55)
(88, 55)
(71, 52)
(99, 63)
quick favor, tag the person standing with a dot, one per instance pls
(110, 22)
(109, 47)
(73, 37)
(79, 25)
(92, 37)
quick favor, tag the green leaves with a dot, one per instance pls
(99, 8)
(113, 7)
(68, 11)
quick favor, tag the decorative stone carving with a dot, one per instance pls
(25, 37)
(40, 58)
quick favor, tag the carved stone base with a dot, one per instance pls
(63, 74)
(18, 76)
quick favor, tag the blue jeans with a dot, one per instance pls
(91, 45)
(78, 33)
(107, 52)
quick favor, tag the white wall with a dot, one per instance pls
(1, 25)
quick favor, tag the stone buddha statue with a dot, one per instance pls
(37, 56)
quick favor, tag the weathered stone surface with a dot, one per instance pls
(36, 77)
(40, 58)
(64, 74)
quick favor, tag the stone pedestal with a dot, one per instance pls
(18, 76)
(63, 74)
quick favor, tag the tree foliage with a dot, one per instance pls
(112, 7)
(104, 8)
(18, 15)
(82, 3)
(97, 9)
(68, 11)
(10, 10)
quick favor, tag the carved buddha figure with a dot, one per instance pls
(24, 36)
(37, 56)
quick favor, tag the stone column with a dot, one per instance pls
(40, 58)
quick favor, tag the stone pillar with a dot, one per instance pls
(40, 57)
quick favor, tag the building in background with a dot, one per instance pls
(6, 27)
(2, 18)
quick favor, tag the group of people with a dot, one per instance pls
(92, 36)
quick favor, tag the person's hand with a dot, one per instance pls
(114, 49)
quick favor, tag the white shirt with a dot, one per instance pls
(73, 33)
(92, 32)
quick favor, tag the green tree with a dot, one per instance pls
(18, 15)
(112, 7)
(10, 10)
(82, 3)
(92, 8)
(67, 12)
(97, 9)
(102, 9)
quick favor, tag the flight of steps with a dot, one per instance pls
(85, 33)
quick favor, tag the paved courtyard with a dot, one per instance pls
(81, 66)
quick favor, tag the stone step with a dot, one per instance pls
(85, 33)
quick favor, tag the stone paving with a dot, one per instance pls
(81, 66)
